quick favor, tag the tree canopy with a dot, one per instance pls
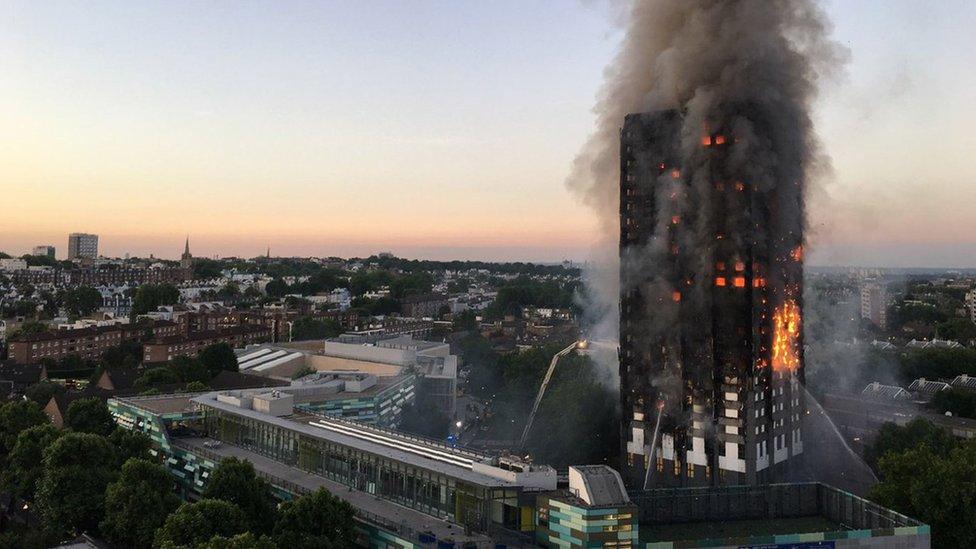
(234, 480)
(197, 523)
(129, 444)
(15, 417)
(317, 520)
(160, 375)
(71, 491)
(218, 357)
(24, 464)
(150, 296)
(958, 402)
(936, 488)
(894, 439)
(42, 391)
(305, 328)
(81, 301)
(137, 504)
(89, 415)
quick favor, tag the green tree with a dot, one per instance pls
(234, 480)
(957, 329)
(39, 261)
(42, 391)
(411, 284)
(217, 358)
(894, 439)
(302, 372)
(81, 301)
(251, 294)
(197, 523)
(376, 307)
(129, 444)
(939, 490)
(937, 363)
(27, 329)
(583, 433)
(424, 419)
(30, 538)
(137, 504)
(240, 541)
(150, 296)
(71, 491)
(16, 417)
(958, 402)
(306, 328)
(126, 355)
(89, 415)
(363, 282)
(317, 520)
(24, 464)
(466, 321)
(459, 285)
(276, 288)
(525, 292)
(160, 375)
(485, 379)
(196, 387)
(206, 268)
(325, 280)
(189, 369)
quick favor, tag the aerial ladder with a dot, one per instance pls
(545, 383)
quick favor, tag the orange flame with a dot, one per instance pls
(786, 337)
(797, 253)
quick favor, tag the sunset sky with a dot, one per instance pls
(430, 129)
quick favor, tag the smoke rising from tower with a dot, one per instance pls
(707, 59)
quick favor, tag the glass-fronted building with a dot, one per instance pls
(410, 492)
(460, 486)
(380, 405)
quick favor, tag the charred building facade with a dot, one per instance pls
(711, 363)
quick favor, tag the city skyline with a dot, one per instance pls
(259, 127)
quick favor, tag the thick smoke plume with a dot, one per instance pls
(750, 67)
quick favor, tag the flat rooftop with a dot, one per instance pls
(407, 342)
(386, 510)
(382, 383)
(398, 447)
(163, 404)
(736, 529)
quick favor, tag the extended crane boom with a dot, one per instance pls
(542, 389)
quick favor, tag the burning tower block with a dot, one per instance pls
(711, 363)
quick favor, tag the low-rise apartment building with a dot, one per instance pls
(88, 343)
(167, 348)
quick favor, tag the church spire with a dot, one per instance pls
(186, 261)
